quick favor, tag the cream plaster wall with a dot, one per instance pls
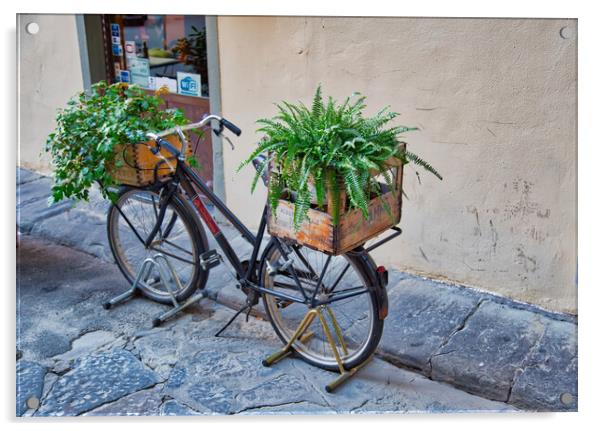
(495, 100)
(49, 74)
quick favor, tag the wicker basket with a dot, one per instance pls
(140, 167)
(352, 230)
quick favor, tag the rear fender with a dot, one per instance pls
(379, 278)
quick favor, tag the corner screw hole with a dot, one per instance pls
(33, 403)
(566, 33)
(566, 398)
(32, 28)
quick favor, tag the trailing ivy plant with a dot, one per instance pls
(89, 128)
(329, 144)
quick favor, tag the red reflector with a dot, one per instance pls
(381, 269)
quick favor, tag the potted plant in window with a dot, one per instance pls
(96, 135)
(335, 174)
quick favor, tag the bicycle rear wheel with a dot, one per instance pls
(353, 323)
(180, 239)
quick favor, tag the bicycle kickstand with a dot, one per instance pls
(247, 308)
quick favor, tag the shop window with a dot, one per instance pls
(156, 51)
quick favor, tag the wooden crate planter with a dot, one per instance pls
(319, 232)
(138, 163)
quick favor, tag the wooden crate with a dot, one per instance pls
(352, 230)
(138, 163)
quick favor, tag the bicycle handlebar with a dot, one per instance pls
(158, 137)
(234, 129)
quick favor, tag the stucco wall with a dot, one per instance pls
(49, 74)
(495, 100)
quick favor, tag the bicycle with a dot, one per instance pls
(296, 284)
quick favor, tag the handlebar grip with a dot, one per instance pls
(228, 125)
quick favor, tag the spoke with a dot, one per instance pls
(334, 294)
(305, 262)
(321, 278)
(289, 286)
(340, 296)
(172, 255)
(176, 246)
(156, 214)
(123, 215)
(339, 278)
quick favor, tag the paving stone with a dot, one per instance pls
(32, 204)
(85, 345)
(550, 372)
(142, 403)
(380, 387)
(297, 408)
(30, 382)
(94, 381)
(418, 307)
(223, 377)
(174, 408)
(51, 343)
(159, 352)
(289, 389)
(60, 293)
(26, 176)
(484, 356)
(78, 229)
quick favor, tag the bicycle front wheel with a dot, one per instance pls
(180, 240)
(352, 325)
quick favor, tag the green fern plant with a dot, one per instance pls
(328, 145)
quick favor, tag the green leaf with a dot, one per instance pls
(91, 125)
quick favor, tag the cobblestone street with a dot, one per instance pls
(483, 344)
(79, 359)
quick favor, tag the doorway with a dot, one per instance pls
(157, 51)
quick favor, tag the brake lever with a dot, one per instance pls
(229, 141)
(219, 133)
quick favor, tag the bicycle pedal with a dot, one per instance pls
(210, 259)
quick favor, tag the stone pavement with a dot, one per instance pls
(483, 344)
(79, 359)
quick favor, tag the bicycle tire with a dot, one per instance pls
(363, 266)
(187, 222)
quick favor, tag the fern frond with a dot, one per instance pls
(357, 195)
(302, 204)
(259, 171)
(317, 106)
(420, 162)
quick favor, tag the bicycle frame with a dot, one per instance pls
(188, 179)
(193, 185)
(185, 177)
